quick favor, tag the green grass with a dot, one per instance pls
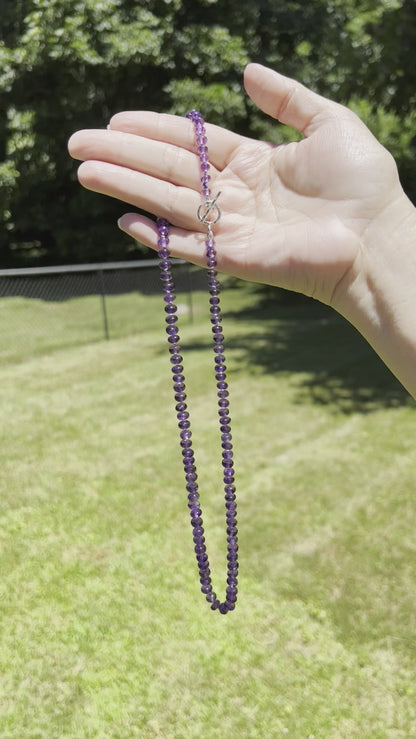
(104, 633)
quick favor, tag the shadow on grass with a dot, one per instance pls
(329, 361)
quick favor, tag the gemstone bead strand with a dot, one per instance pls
(182, 414)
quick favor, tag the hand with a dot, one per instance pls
(292, 215)
(325, 216)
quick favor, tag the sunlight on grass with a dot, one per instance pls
(104, 631)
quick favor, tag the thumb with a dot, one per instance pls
(287, 100)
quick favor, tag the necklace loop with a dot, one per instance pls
(208, 213)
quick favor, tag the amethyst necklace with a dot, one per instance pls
(208, 213)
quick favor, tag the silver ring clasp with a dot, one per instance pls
(209, 212)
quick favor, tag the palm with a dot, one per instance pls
(294, 215)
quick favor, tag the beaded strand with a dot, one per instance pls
(208, 213)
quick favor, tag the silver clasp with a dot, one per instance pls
(209, 212)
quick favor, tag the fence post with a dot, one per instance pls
(190, 296)
(103, 303)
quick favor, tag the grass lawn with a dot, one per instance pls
(104, 633)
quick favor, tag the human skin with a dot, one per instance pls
(325, 216)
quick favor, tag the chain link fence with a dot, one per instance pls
(51, 307)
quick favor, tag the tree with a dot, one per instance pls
(72, 65)
(67, 64)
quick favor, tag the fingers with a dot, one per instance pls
(160, 174)
(185, 244)
(177, 204)
(287, 100)
(163, 161)
(171, 129)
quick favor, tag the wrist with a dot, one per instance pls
(380, 299)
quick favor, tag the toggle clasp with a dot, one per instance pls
(209, 207)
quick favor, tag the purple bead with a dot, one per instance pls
(171, 319)
(182, 415)
(225, 427)
(165, 276)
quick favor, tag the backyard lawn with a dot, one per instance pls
(104, 632)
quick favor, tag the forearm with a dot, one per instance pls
(381, 299)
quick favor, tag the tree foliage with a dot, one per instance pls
(69, 64)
